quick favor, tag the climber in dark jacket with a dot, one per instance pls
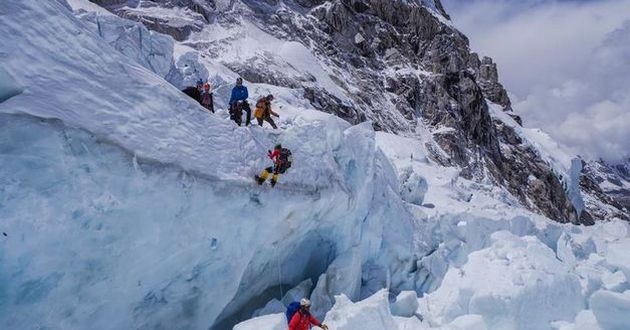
(206, 97)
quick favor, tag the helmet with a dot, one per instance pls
(239, 81)
(305, 302)
(269, 97)
(278, 146)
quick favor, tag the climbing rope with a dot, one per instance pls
(279, 271)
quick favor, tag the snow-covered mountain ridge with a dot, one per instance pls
(613, 179)
(400, 64)
(126, 206)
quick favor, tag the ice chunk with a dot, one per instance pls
(410, 323)
(516, 283)
(618, 255)
(412, 187)
(571, 248)
(611, 309)
(573, 184)
(152, 50)
(274, 306)
(469, 321)
(406, 304)
(300, 291)
(369, 314)
(616, 281)
(270, 322)
(585, 320)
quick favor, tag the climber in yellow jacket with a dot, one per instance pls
(263, 111)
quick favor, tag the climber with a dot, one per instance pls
(238, 103)
(200, 85)
(193, 92)
(206, 98)
(302, 318)
(282, 160)
(263, 111)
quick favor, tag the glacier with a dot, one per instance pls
(123, 205)
(152, 240)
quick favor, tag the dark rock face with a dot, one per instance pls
(399, 64)
(608, 189)
(115, 3)
(487, 76)
(194, 16)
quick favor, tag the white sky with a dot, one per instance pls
(565, 63)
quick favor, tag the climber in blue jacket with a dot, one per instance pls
(238, 103)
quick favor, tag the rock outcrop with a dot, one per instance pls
(607, 187)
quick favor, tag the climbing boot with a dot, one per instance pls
(259, 180)
(274, 179)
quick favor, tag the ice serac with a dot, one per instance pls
(503, 297)
(196, 252)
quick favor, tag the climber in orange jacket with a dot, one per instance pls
(263, 111)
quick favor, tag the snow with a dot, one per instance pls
(8, 86)
(292, 58)
(152, 50)
(174, 17)
(370, 314)
(127, 206)
(431, 6)
(470, 321)
(563, 163)
(585, 320)
(617, 256)
(611, 309)
(515, 283)
(271, 322)
(616, 281)
(406, 304)
(88, 6)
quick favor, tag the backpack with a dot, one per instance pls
(293, 308)
(286, 159)
(261, 105)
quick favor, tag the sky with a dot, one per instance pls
(565, 63)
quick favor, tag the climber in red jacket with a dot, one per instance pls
(282, 160)
(302, 319)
